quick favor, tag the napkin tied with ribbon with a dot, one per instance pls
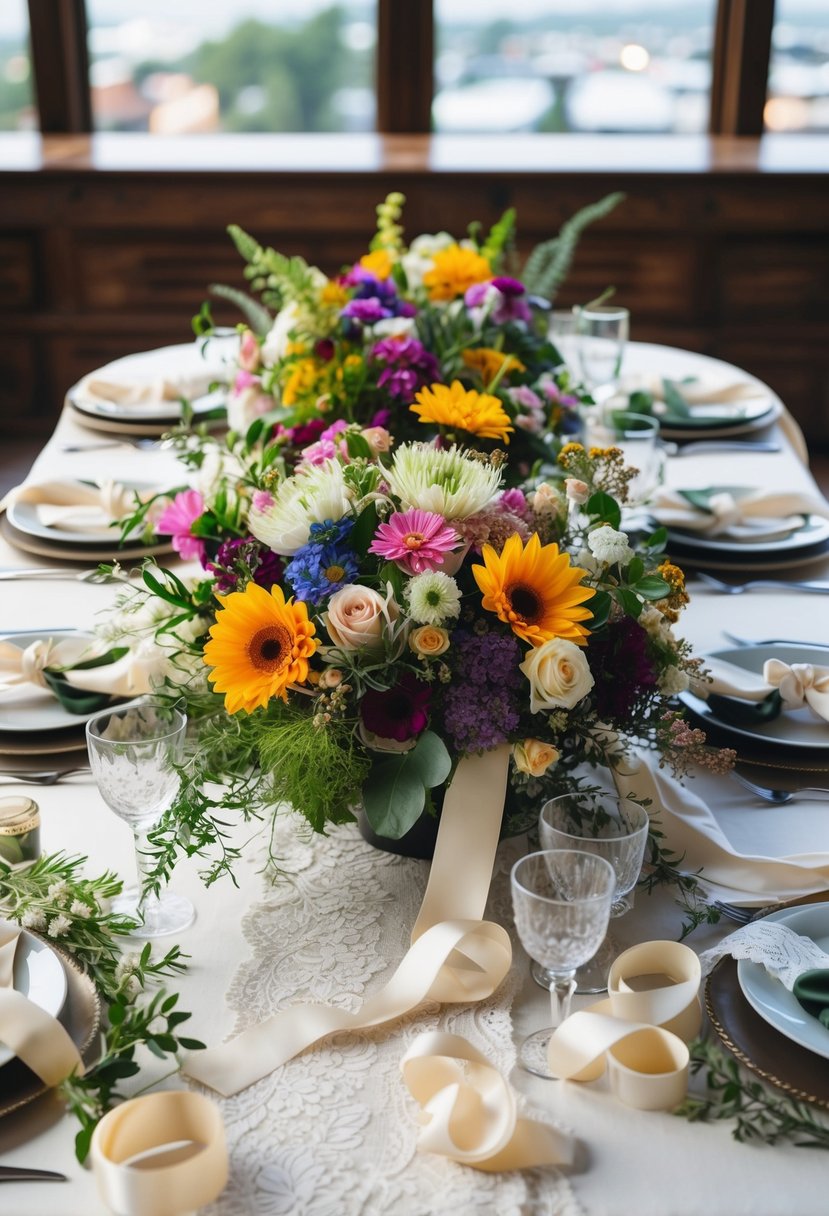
(798, 684)
(37, 1038)
(134, 394)
(695, 391)
(75, 506)
(71, 666)
(731, 511)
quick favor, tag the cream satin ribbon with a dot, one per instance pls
(751, 516)
(640, 1036)
(36, 1037)
(799, 683)
(692, 831)
(469, 1111)
(130, 676)
(160, 1155)
(73, 506)
(455, 955)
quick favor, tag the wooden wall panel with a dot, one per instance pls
(17, 273)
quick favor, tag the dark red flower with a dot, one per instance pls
(398, 713)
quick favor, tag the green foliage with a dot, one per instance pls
(500, 239)
(760, 1116)
(273, 275)
(395, 793)
(257, 317)
(547, 266)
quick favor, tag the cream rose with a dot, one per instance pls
(429, 640)
(534, 756)
(558, 674)
(378, 439)
(357, 617)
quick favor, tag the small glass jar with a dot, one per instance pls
(19, 829)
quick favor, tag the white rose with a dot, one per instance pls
(358, 617)
(609, 546)
(558, 674)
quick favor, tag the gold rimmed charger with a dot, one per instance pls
(756, 1044)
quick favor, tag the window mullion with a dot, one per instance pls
(405, 72)
(61, 65)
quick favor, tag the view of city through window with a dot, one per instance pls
(182, 66)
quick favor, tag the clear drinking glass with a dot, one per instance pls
(134, 751)
(602, 335)
(637, 436)
(563, 333)
(609, 827)
(561, 900)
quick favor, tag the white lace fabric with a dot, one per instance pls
(333, 1132)
(784, 953)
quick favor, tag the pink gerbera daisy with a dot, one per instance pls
(416, 540)
(177, 519)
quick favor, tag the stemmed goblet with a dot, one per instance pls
(561, 900)
(612, 828)
(134, 752)
(602, 335)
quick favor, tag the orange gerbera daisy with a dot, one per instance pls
(458, 407)
(259, 645)
(378, 263)
(454, 270)
(535, 589)
(488, 363)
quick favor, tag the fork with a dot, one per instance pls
(719, 445)
(717, 584)
(84, 576)
(740, 915)
(143, 445)
(47, 777)
(781, 797)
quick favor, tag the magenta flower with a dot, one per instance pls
(416, 540)
(406, 367)
(398, 713)
(177, 519)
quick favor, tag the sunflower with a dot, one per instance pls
(534, 589)
(462, 408)
(488, 362)
(454, 270)
(259, 645)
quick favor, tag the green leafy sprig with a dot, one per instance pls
(759, 1115)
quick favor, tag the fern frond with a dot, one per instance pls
(247, 246)
(257, 317)
(547, 266)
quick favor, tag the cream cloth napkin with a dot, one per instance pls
(754, 516)
(129, 394)
(30, 1032)
(699, 392)
(74, 506)
(692, 831)
(799, 683)
(130, 676)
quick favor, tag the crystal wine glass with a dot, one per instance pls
(614, 829)
(637, 436)
(561, 900)
(134, 751)
(602, 335)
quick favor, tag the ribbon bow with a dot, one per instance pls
(752, 515)
(800, 683)
(75, 505)
(81, 665)
(30, 1032)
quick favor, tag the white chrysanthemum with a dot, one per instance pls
(609, 546)
(313, 495)
(442, 480)
(433, 598)
(673, 681)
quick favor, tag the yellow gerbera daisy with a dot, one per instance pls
(535, 589)
(302, 381)
(455, 406)
(378, 263)
(259, 645)
(454, 270)
(488, 363)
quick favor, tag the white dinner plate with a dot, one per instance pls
(813, 532)
(771, 411)
(24, 517)
(39, 975)
(28, 710)
(793, 728)
(774, 1003)
(68, 551)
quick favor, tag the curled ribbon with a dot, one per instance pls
(469, 1110)
(455, 955)
(160, 1155)
(36, 1037)
(639, 1034)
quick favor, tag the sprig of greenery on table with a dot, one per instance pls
(51, 896)
(759, 1115)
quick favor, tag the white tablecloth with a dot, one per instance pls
(334, 1132)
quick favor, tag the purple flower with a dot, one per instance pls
(620, 661)
(482, 706)
(476, 295)
(398, 713)
(366, 311)
(509, 287)
(514, 501)
(244, 559)
(408, 367)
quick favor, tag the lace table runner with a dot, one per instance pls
(333, 1132)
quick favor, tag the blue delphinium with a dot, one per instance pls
(325, 563)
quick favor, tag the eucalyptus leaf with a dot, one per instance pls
(75, 700)
(604, 507)
(395, 793)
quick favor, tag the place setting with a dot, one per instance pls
(700, 408)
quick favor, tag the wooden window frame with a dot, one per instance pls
(405, 66)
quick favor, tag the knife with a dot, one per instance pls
(20, 1173)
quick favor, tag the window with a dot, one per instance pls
(255, 65)
(573, 65)
(17, 111)
(798, 94)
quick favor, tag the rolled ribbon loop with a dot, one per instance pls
(34, 1035)
(160, 1155)
(639, 1034)
(469, 1111)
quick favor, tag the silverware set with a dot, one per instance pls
(817, 587)
(780, 797)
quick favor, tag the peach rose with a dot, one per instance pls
(558, 674)
(534, 756)
(358, 617)
(378, 439)
(577, 491)
(429, 641)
